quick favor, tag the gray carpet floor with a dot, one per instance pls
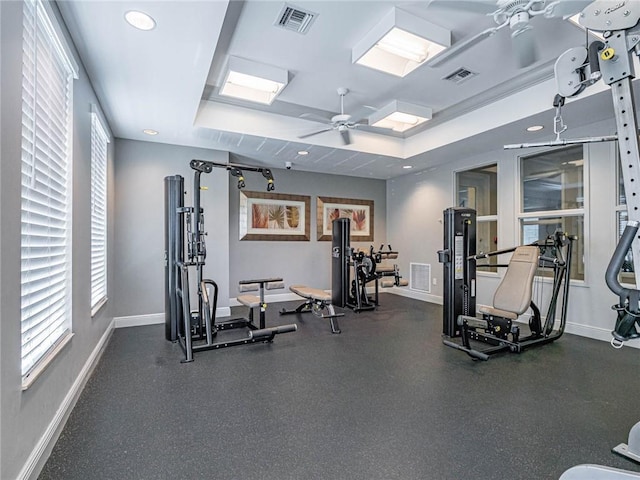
(383, 400)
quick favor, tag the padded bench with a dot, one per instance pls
(316, 301)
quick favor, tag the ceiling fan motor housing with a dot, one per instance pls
(519, 21)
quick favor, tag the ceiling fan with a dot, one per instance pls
(516, 14)
(342, 122)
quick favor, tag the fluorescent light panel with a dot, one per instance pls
(400, 43)
(400, 116)
(253, 81)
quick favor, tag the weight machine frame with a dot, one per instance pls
(459, 312)
(575, 70)
(195, 330)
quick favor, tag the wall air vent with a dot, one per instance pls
(295, 19)
(420, 274)
(460, 75)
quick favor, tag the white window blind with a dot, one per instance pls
(47, 79)
(99, 143)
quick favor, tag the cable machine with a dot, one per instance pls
(196, 330)
(575, 70)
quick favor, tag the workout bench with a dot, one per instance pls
(316, 301)
(253, 301)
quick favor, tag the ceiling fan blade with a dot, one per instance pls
(346, 137)
(524, 47)
(565, 8)
(483, 7)
(315, 133)
(462, 46)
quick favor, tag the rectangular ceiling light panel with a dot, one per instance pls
(400, 43)
(400, 116)
(253, 81)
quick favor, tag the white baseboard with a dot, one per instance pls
(156, 318)
(139, 320)
(407, 292)
(38, 457)
(597, 333)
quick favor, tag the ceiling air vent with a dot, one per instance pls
(460, 75)
(295, 18)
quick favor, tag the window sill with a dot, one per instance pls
(42, 365)
(96, 308)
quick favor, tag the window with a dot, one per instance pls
(552, 186)
(47, 80)
(478, 189)
(99, 143)
(627, 273)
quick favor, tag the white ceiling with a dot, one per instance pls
(167, 79)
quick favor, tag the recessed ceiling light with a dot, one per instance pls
(535, 128)
(140, 20)
(149, 131)
(407, 167)
(303, 152)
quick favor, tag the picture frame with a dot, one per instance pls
(266, 216)
(361, 213)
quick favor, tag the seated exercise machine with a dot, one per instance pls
(389, 273)
(195, 330)
(351, 290)
(575, 70)
(497, 327)
(317, 301)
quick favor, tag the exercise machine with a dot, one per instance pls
(575, 70)
(318, 302)
(196, 330)
(498, 330)
(350, 289)
(345, 291)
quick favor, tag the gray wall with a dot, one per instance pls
(307, 263)
(26, 415)
(140, 169)
(415, 203)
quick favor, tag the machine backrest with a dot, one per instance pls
(514, 292)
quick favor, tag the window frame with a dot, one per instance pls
(481, 218)
(40, 76)
(99, 209)
(571, 212)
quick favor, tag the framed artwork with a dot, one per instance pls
(360, 212)
(274, 216)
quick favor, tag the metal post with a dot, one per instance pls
(174, 233)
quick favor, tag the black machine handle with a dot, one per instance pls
(615, 264)
(628, 306)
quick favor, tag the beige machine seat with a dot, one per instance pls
(316, 301)
(311, 293)
(513, 295)
(250, 301)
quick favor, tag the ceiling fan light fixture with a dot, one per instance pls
(253, 81)
(400, 43)
(400, 116)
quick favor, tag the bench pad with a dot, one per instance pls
(250, 301)
(311, 293)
